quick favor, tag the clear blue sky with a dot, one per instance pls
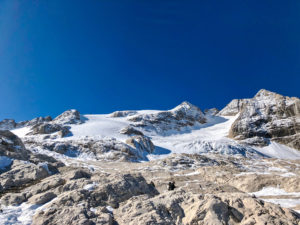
(99, 56)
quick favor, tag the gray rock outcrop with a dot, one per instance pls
(142, 144)
(10, 124)
(122, 113)
(131, 131)
(12, 146)
(71, 116)
(234, 107)
(269, 115)
(182, 116)
(49, 128)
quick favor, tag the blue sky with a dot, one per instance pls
(99, 56)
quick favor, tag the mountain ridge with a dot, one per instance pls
(114, 168)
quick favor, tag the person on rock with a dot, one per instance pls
(171, 186)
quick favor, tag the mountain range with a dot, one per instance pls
(239, 165)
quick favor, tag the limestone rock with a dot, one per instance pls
(108, 148)
(34, 121)
(12, 146)
(131, 131)
(13, 199)
(211, 112)
(49, 128)
(142, 144)
(79, 206)
(7, 124)
(185, 208)
(71, 116)
(42, 198)
(123, 113)
(269, 115)
(234, 107)
(182, 116)
(21, 174)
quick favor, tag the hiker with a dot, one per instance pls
(171, 186)
(152, 184)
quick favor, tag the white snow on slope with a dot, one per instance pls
(201, 138)
(21, 132)
(271, 191)
(276, 150)
(216, 129)
(100, 126)
(18, 215)
(279, 196)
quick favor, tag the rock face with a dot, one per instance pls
(35, 121)
(123, 113)
(184, 115)
(269, 115)
(71, 116)
(88, 202)
(21, 174)
(131, 131)
(11, 146)
(121, 196)
(20, 168)
(103, 149)
(49, 128)
(211, 112)
(183, 208)
(57, 126)
(234, 107)
(110, 172)
(9, 124)
(142, 144)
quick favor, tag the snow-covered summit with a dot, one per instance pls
(252, 125)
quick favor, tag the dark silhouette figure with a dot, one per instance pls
(171, 186)
(152, 184)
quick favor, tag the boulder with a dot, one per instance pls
(21, 175)
(131, 131)
(142, 144)
(41, 199)
(12, 146)
(49, 128)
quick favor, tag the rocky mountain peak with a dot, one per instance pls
(185, 105)
(265, 95)
(71, 116)
(85, 166)
(264, 92)
(269, 116)
(234, 107)
(187, 109)
(182, 116)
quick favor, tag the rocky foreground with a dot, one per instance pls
(53, 176)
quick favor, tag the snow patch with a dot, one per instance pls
(276, 150)
(271, 191)
(90, 187)
(18, 215)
